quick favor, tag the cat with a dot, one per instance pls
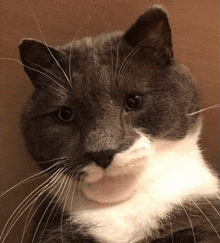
(114, 120)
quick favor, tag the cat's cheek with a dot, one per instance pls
(111, 189)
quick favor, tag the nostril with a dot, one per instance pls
(102, 158)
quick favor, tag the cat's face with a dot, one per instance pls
(100, 102)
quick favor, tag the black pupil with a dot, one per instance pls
(133, 102)
(66, 114)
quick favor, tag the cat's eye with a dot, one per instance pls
(133, 102)
(66, 114)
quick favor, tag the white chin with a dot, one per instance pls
(111, 189)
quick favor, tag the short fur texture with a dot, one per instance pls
(110, 121)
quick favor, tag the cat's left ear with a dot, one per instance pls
(151, 32)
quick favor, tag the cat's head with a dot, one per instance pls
(103, 100)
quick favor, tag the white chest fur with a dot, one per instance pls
(173, 172)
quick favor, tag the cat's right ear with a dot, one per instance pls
(39, 59)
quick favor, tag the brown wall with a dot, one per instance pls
(195, 35)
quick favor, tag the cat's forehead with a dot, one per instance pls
(106, 61)
(95, 49)
(89, 54)
(88, 75)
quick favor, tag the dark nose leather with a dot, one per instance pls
(102, 158)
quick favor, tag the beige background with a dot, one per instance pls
(195, 35)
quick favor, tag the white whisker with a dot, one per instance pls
(61, 184)
(46, 70)
(194, 237)
(111, 46)
(206, 217)
(53, 182)
(117, 60)
(112, 59)
(79, 190)
(132, 53)
(171, 228)
(41, 33)
(54, 81)
(125, 62)
(64, 205)
(30, 202)
(17, 212)
(25, 224)
(33, 177)
(71, 46)
(57, 92)
(196, 112)
(211, 205)
(53, 160)
(54, 185)
(72, 198)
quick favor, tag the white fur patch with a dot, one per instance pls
(171, 172)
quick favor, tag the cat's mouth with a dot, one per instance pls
(111, 189)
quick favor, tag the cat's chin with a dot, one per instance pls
(111, 189)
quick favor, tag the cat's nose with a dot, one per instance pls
(102, 158)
